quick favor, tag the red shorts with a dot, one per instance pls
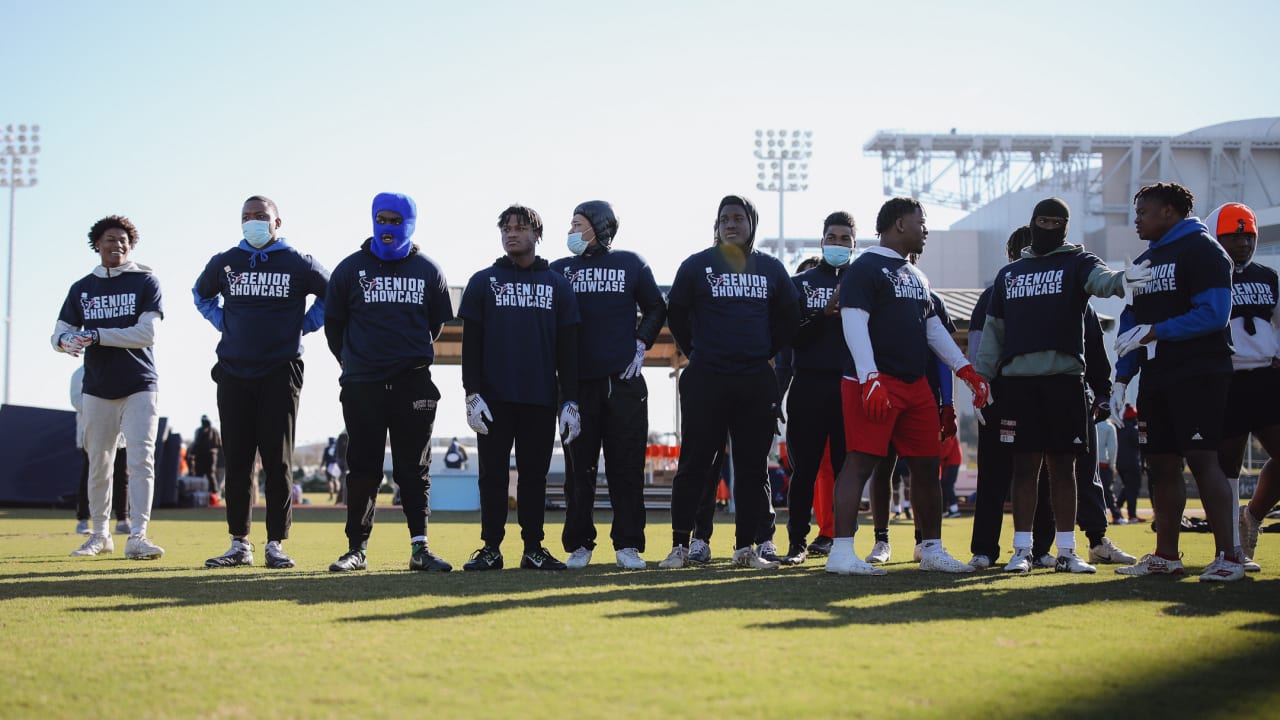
(913, 425)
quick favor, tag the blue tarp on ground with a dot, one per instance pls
(40, 464)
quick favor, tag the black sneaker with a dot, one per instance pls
(486, 558)
(350, 560)
(424, 559)
(797, 553)
(541, 559)
(241, 553)
(820, 546)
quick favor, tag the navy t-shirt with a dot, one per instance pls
(608, 286)
(521, 311)
(94, 303)
(731, 309)
(828, 350)
(263, 305)
(381, 315)
(896, 295)
(1042, 301)
(1181, 270)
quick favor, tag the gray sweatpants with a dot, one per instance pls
(135, 416)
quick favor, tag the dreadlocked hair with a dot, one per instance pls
(1172, 194)
(1020, 239)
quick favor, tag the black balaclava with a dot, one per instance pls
(605, 224)
(752, 215)
(1045, 241)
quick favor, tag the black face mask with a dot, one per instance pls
(1045, 241)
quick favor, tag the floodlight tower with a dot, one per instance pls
(17, 169)
(783, 166)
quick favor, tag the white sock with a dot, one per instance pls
(1066, 542)
(1235, 508)
(1021, 540)
(842, 545)
(931, 546)
(418, 538)
(274, 544)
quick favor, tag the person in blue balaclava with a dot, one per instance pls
(385, 307)
(263, 284)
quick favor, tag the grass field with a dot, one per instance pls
(107, 637)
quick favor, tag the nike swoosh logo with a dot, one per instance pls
(873, 387)
(536, 561)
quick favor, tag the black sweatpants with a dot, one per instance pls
(403, 407)
(995, 475)
(1091, 506)
(615, 417)
(259, 416)
(119, 487)
(814, 418)
(532, 430)
(1132, 479)
(711, 405)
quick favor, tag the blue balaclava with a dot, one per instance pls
(399, 247)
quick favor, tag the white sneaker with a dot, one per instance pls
(678, 558)
(880, 553)
(138, 547)
(628, 559)
(1070, 562)
(1021, 562)
(918, 554)
(1119, 521)
(1046, 561)
(847, 563)
(1248, 532)
(1153, 564)
(1107, 553)
(123, 528)
(699, 551)
(939, 560)
(96, 545)
(578, 559)
(746, 557)
(980, 562)
(1251, 565)
(768, 552)
(82, 528)
(1222, 570)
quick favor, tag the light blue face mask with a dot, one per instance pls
(576, 244)
(836, 255)
(257, 232)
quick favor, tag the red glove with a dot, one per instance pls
(980, 387)
(875, 398)
(947, 414)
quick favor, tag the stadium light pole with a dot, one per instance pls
(21, 145)
(782, 166)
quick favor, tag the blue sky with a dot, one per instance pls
(173, 113)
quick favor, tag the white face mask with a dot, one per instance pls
(257, 232)
(576, 244)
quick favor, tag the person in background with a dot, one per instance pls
(205, 448)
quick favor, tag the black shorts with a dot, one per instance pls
(1253, 402)
(1182, 416)
(1044, 413)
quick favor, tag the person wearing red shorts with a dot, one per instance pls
(892, 333)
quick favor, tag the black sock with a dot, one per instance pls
(1095, 538)
(680, 538)
(882, 535)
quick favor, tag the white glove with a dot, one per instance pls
(570, 422)
(1136, 276)
(1131, 340)
(1117, 401)
(634, 368)
(477, 413)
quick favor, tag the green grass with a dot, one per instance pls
(106, 637)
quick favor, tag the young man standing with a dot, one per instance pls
(893, 333)
(815, 425)
(519, 341)
(263, 284)
(609, 285)
(1034, 338)
(731, 308)
(1255, 336)
(384, 309)
(1178, 321)
(110, 316)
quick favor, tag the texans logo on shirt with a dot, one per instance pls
(257, 283)
(392, 289)
(501, 289)
(232, 277)
(595, 280)
(816, 297)
(738, 285)
(1164, 278)
(906, 284)
(1033, 284)
(105, 307)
